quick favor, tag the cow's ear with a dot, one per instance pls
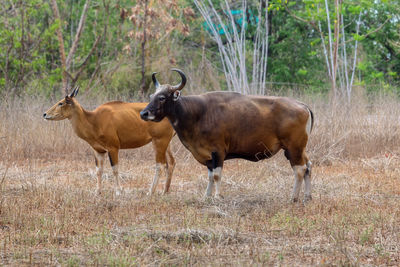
(177, 95)
(68, 100)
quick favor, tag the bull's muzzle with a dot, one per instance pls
(144, 114)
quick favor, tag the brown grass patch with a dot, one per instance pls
(49, 214)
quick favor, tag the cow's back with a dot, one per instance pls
(122, 120)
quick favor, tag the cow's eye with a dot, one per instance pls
(161, 98)
(60, 104)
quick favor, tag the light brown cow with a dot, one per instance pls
(114, 126)
(218, 126)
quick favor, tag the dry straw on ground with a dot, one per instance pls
(49, 214)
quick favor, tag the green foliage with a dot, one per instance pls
(30, 60)
(382, 48)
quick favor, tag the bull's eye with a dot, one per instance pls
(161, 97)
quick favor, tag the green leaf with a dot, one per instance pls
(302, 72)
(358, 37)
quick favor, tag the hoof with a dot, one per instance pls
(295, 199)
(119, 192)
(165, 192)
(307, 198)
(219, 196)
(206, 198)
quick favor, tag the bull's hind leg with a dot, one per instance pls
(307, 183)
(299, 172)
(302, 170)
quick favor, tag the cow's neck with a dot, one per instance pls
(80, 122)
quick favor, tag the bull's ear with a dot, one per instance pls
(176, 96)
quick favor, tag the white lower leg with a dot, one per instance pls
(99, 169)
(155, 180)
(299, 172)
(118, 188)
(168, 181)
(210, 183)
(307, 182)
(217, 178)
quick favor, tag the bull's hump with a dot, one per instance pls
(223, 96)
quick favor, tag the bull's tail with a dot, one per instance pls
(310, 121)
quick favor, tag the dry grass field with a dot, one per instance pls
(50, 215)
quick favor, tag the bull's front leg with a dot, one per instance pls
(210, 185)
(214, 175)
(217, 179)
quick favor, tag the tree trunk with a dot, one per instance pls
(64, 89)
(336, 47)
(143, 80)
(77, 36)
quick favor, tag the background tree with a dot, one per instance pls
(230, 27)
(334, 22)
(154, 20)
(365, 45)
(70, 79)
(25, 36)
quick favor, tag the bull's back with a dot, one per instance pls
(250, 127)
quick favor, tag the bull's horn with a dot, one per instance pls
(183, 82)
(153, 77)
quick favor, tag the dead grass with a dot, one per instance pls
(49, 214)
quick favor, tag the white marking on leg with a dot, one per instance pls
(99, 169)
(217, 178)
(210, 183)
(309, 123)
(307, 182)
(168, 180)
(155, 180)
(118, 188)
(299, 172)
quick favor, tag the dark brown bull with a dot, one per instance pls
(217, 126)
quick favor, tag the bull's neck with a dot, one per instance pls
(80, 122)
(184, 113)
